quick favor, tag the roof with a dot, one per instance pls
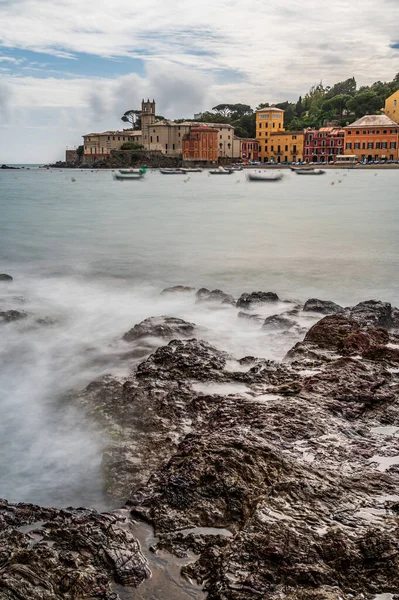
(283, 132)
(123, 132)
(203, 128)
(373, 121)
(270, 108)
(192, 124)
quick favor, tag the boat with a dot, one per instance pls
(191, 170)
(129, 174)
(264, 176)
(172, 171)
(220, 171)
(309, 171)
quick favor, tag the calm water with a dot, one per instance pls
(93, 255)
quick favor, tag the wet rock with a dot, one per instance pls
(324, 307)
(278, 322)
(382, 353)
(7, 316)
(331, 332)
(5, 277)
(177, 289)
(253, 318)
(190, 359)
(249, 300)
(395, 318)
(66, 554)
(160, 327)
(372, 313)
(219, 296)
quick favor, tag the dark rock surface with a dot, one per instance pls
(325, 307)
(49, 554)
(6, 316)
(5, 277)
(251, 317)
(161, 327)
(204, 295)
(274, 480)
(249, 300)
(177, 289)
(8, 167)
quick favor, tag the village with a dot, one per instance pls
(371, 139)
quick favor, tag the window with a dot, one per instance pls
(157, 138)
(384, 145)
(370, 145)
(123, 139)
(294, 137)
(260, 134)
(348, 146)
(371, 131)
(357, 132)
(228, 137)
(349, 133)
(113, 138)
(102, 150)
(377, 145)
(363, 145)
(378, 131)
(392, 131)
(265, 148)
(266, 124)
(356, 145)
(166, 146)
(311, 137)
(392, 144)
(272, 148)
(385, 131)
(151, 139)
(339, 143)
(109, 138)
(273, 125)
(395, 102)
(286, 148)
(260, 125)
(364, 132)
(307, 142)
(119, 139)
(294, 149)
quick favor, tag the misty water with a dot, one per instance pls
(91, 256)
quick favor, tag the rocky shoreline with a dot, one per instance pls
(265, 479)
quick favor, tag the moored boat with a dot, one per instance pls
(309, 171)
(129, 174)
(221, 171)
(264, 176)
(172, 171)
(191, 170)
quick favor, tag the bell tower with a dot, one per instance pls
(147, 119)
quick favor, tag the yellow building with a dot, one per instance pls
(392, 107)
(276, 144)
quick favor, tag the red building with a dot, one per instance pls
(246, 149)
(323, 145)
(201, 144)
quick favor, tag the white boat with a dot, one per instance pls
(191, 170)
(129, 174)
(309, 171)
(221, 171)
(172, 171)
(264, 176)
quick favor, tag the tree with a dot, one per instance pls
(262, 105)
(299, 107)
(347, 87)
(133, 117)
(223, 109)
(336, 106)
(80, 151)
(241, 132)
(131, 146)
(364, 103)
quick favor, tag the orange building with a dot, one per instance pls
(201, 144)
(373, 137)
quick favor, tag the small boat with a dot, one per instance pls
(221, 171)
(309, 171)
(191, 170)
(172, 171)
(264, 176)
(129, 174)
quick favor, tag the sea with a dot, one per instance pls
(90, 256)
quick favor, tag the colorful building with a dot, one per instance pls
(276, 144)
(268, 120)
(391, 109)
(201, 145)
(324, 144)
(246, 149)
(373, 137)
(99, 145)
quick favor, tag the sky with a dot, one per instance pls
(68, 68)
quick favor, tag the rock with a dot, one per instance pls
(7, 316)
(372, 313)
(278, 322)
(382, 353)
(324, 307)
(248, 300)
(256, 319)
(177, 289)
(395, 318)
(331, 332)
(219, 296)
(65, 554)
(5, 277)
(160, 327)
(7, 167)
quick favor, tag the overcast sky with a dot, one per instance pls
(68, 67)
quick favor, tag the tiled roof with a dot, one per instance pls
(373, 121)
(128, 132)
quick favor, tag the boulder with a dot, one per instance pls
(219, 296)
(177, 289)
(202, 293)
(372, 313)
(250, 317)
(249, 300)
(331, 332)
(382, 353)
(395, 318)
(324, 307)
(278, 322)
(5, 277)
(7, 316)
(160, 327)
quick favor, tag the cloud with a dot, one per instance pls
(10, 59)
(5, 100)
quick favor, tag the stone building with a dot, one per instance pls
(201, 145)
(99, 145)
(373, 137)
(324, 144)
(246, 149)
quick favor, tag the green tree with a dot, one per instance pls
(336, 106)
(347, 87)
(131, 146)
(133, 117)
(364, 103)
(80, 151)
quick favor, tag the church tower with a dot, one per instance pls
(147, 119)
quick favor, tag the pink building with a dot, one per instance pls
(324, 144)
